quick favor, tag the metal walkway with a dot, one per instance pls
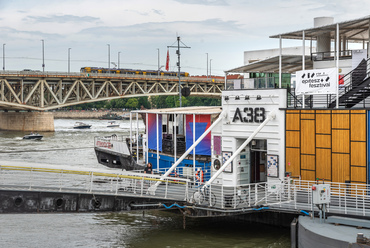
(289, 196)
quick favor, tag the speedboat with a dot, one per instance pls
(34, 136)
(81, 125)
(112, 124)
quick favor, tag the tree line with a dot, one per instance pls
(149, 103)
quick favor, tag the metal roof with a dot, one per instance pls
(183, 110)
(289, 64)
(355, 31)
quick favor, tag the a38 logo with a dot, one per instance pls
(257, 115)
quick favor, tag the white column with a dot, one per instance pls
(303, 51)
(280, 58)
(156, 117)
(137, 137)
(147, 137)
(194, 147)
(337, 65)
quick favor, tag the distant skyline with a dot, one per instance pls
(137, 29)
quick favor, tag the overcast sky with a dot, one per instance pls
(137, 29)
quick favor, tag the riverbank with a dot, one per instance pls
(85, 114)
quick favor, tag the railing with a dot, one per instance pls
(288, 195)
(350, 92)
(73, 181)
(319, 56)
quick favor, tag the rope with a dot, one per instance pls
(173, 206)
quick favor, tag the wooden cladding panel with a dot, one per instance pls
(323, 123)
(323, 164)
(340, 172)
(323, 141)
(308, 162)
(308, 175)
(293, 139)
(294, 161)
(332, 144)
(292, 121)
(307, 137)
(340, 121)
(340, 141)
(358, 151)
(358, 133)
(358, 174)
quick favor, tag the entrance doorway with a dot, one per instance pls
(258, 161)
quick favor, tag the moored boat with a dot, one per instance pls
(110, 116)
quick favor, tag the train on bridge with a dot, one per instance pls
(102, 70)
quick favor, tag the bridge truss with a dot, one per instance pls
(46, 91)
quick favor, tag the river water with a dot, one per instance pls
(73, 147)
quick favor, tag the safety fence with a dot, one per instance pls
(288, 195)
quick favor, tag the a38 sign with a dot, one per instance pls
(257, 115)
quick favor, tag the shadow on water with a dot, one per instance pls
(165, 229)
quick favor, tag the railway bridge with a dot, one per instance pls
(27, 91)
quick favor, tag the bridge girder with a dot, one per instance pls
(46, 92)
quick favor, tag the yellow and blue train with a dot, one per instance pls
(101, 70)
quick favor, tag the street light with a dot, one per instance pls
(207, 65)
(69, 60)
(4, 57)
(210, 67)
(158, 62)
(118, 59)
(108, 58)
(43, 57)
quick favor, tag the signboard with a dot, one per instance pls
(318, 81)
(272, 165)
(225, 157)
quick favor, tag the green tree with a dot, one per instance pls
(132, 103)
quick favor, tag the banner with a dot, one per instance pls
(202, 122)
(152, 132)
(319, 81)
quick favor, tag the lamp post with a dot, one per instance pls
(4, 57)
(43, 57)
(210, 68)
(207, 65)
(118, 59)
(158, 62)
(108, 58)
(69, 60)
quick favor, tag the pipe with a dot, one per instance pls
(270, 116)
(153, 188)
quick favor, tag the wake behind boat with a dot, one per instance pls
(81, 125)
(33, 136)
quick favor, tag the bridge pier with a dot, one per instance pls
(27, 121)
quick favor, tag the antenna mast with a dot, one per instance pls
(178, 62)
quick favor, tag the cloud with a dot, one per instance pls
(204, 2)
(62, 19)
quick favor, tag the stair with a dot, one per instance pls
(358, 90)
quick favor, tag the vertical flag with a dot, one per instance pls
(168, 61)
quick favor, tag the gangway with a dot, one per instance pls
(31, 189)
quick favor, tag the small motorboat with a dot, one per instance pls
(33, 136)
(112, 124)
(81, 125)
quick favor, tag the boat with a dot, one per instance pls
(33, 136)
(112, 124)
(81, 125)
(110, 116)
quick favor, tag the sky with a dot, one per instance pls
(135, 32)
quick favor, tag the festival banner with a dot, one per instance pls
(318, 81)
